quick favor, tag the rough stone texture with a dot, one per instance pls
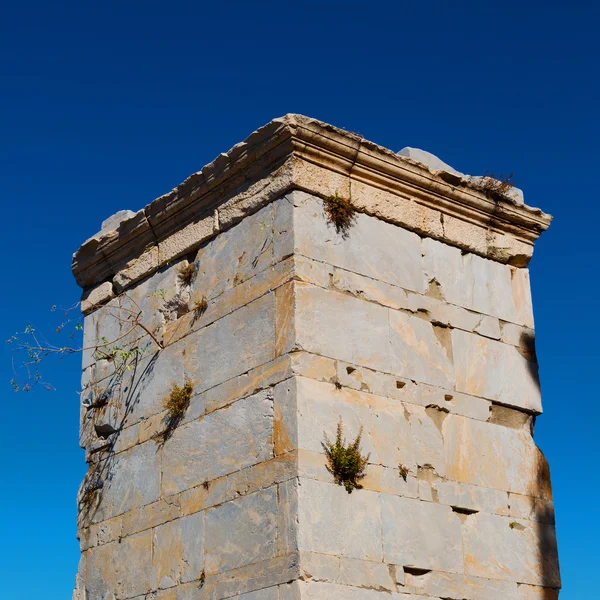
(415, 328)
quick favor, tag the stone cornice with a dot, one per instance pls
(296, 152)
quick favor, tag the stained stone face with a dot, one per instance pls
(415, 329)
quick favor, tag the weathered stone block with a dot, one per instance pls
(232, 345)
(120, 569)
(502, 548)
(517, 465)
(478, 284)
(451, 585)
(178, 551)
(241, 532)
(331, 521)
(420, 351)
(235, 256)
(421, 535)
(375, 249)
(199, 452)
(339, 326)
(130, 480)
(496, 371)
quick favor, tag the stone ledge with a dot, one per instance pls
(296, 152)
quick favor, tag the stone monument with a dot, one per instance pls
(411, 321)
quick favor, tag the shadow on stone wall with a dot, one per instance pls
(541, 492)
(123, 392)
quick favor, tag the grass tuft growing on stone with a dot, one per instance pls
(178, 400)
(403, 471)
(496, 188)
(340, 213)
(186, 273)
(345, 461)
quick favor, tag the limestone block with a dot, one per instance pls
(317, 590)
(530, 507)
(144, 388)
(321, 567)
(495, 371)
(159, 298)
(370, 289)
(137, 269)
(365, 574)
(235, 255)
(479, 284)
(393, 432)
(114, 221)
(283, 225)
(130, 480)
(188, 238)
(285, 417)
(419, 351)
(232, 345)
(287, 516)
(96, 296)
(178, 551)
(460, 404)
(150, 515)
(241, 532)
(451, 585)
(531, 592)
(471, 497)
(496, 457)
(502, 548)
(339, 326)
(270, 593)
(224, 441)
(236, 388)
(421, 534)
(331, 521)
(285, 319)
(97, 325)
(120, 569)
(313, 271)
(373, 247)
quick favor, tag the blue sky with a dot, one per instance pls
(105, 106)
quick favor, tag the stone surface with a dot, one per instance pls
(115, 220)
(495, 371)
(178, 551)
(421, 535)
(495, 457)
(478, 284)
(502, 548)
(420, 351)
(331, 521)
(241, 532)
(450, 585)
(339, 326)
(192, 456)
(375, 249)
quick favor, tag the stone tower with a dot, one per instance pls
(413, 322)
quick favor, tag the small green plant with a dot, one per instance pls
(178, 400)
(186, 273)
(340, 213)
(345, 461)
(403, 471)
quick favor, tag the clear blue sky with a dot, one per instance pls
(104, 106)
